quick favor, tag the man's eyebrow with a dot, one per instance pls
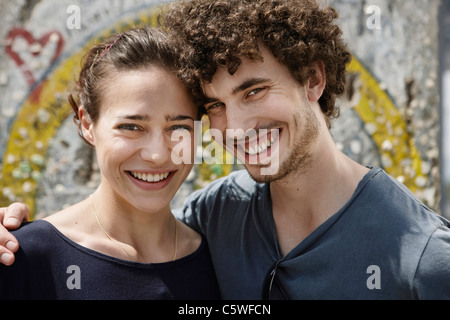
(178, 117)
(207, 100)
(243, 86)
(248, 84)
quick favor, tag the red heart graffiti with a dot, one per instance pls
(42, 42)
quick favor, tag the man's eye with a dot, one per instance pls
(213, 107)
(254, 91)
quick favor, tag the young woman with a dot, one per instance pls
(123, 241)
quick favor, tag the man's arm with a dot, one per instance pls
(10, 219)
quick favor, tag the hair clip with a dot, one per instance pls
(103, 53)
(107, 48)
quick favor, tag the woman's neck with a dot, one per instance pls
(109, 225)
(149, 235)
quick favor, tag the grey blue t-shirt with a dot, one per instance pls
(383, 244)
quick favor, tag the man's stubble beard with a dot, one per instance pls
(300, 157)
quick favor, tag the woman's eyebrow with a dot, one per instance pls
(178, 117)
(134, 117)
(145, 117)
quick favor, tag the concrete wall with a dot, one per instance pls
(390, 114)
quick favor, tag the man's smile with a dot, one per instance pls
(262, 143)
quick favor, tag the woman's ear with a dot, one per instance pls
(86, 126)
(316, 81)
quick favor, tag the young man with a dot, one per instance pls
(320, 226)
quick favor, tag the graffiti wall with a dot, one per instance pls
(389, 114)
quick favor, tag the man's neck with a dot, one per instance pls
(302, 203)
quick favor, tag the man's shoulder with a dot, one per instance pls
(386, 204)
(385, 193)
(232, 192)
(236, 184)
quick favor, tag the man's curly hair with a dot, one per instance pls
(212, 34)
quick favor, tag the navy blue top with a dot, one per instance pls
(51, 266)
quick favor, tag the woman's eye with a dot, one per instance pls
(180, 127)
(129, 126)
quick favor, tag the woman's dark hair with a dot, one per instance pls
(212, 34)
(134, 49)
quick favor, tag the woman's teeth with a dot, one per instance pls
(149, 177)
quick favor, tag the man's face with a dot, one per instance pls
(266, 114)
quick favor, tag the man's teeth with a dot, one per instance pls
(258, 148)
(149, 177)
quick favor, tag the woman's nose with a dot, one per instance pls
(155, 149)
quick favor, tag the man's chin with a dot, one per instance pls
(263, 174)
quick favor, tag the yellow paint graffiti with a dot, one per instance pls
(388, 129)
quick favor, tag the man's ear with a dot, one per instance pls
(86, 126)
(316, 81)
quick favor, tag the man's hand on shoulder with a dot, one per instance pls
(10, 219)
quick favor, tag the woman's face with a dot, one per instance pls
(142, 116)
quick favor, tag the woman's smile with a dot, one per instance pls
(148, 181)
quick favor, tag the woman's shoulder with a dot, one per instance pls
(72, 223)
(32, 230)
(36, 235)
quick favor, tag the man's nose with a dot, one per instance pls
(239, 120)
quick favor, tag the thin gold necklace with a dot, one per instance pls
(120, 244)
